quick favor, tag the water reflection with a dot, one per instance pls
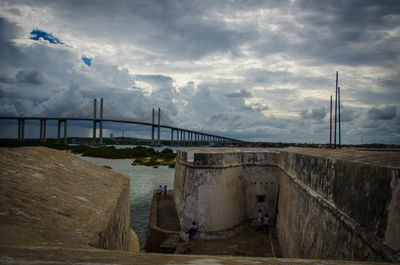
(143, 180)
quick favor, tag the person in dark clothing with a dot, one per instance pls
(192, 230)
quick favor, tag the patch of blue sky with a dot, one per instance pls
(87, 60)
(37, 34)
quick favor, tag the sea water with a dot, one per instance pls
(143, 181)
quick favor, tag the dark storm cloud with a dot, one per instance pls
(6, 80)
(184, 29)
(224, 117)
(341, 32)
(386, 113)
(349, 32)
(263, 77)
(30, 77)
(254, 108)
(8, 51)
(155, 79)
(241, 94)
(314, 113)
(237, 53)
(349, 114)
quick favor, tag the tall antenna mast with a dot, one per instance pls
(330, 125)
(336, 103)
(340, 129)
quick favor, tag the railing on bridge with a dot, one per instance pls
(183, 136)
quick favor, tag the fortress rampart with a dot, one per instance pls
(327, 204)
(52, 198)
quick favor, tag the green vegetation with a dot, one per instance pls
(142, 155)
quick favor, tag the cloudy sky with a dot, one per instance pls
(253, 70)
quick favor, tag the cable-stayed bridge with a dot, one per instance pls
(100, 113)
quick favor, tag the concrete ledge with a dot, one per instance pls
(56, 255)
(156, 235)
(222, 158)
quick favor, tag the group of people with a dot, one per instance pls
(263, 221)
(162, 192)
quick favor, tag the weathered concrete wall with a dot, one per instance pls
(261, 181)
(219, 189)
(336, 205)
(333, 204)
(117, 232)
(53, 198)
(156, 235)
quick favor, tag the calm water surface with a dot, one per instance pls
(143, 180)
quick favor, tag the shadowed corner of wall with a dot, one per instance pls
(133, 242)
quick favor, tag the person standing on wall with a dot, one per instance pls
(259, 220)
(165, 191)
(266, 222)
(159, 190)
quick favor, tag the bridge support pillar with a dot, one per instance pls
(159, 119)
(94, 120)
(101, 121)
(43, 130)
(21, 129)
(152, 127)
(65, 132)
(58, 131)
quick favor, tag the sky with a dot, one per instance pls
(250, 70)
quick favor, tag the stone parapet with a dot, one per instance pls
(220, 158)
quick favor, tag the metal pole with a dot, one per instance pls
(340, 131)
(335, 109)
(101, 121)
(330, 126)
(172, 137)
(94, 119)
(152, 128)
(159, 119)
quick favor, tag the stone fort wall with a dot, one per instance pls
(329, 204)
(222, 192)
